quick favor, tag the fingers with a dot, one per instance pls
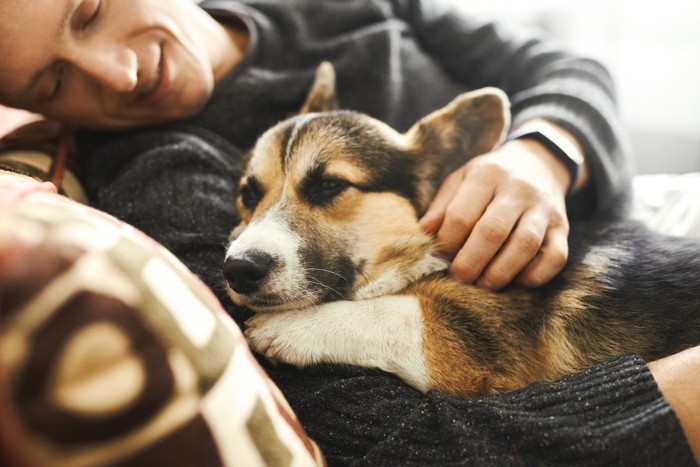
(531, 247)
(501, 218)
(548, 262)
(517, 252)
(486, 239)
(461, 217)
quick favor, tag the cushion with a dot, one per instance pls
(112, 352)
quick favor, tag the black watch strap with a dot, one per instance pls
(559, 146)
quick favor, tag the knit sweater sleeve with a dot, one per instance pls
(541, 79)
(177, 185)
(611, 414)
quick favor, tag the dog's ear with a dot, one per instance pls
(322, 97)
(473, 123)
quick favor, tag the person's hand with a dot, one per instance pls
(502, 216)
(678, 378)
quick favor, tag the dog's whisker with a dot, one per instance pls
(317, 282)
(330, 272)
(369, 277)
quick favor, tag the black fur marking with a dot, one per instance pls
(653, 283)
(319, 189)
(484, 342)
(284, 143)
(329, 277)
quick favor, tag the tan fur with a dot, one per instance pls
(454, 368)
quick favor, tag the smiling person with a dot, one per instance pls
(169, 94)
(103, 65)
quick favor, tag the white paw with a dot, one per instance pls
(282, 337)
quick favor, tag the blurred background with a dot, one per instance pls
(653, 52)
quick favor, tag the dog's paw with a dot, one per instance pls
(282, 337)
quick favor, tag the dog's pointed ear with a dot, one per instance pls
(322, 97)
(473, 123)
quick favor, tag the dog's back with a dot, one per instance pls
(647, 278)
(625, 290)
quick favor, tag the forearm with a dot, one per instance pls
(678, 377)
(612, 414)
(556, 166)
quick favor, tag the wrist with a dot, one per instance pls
(678, 378)
(543, 160)
(558, 149)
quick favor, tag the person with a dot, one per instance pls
(168, 95)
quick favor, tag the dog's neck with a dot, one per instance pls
(395, 279)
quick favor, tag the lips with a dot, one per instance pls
(158, 85)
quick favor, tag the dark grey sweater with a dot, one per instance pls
(396, 60)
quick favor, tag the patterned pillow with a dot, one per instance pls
(112, 352)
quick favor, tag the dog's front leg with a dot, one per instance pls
(384, 332)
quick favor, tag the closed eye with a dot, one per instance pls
(89, 13)
(327, 189)
(250, 194)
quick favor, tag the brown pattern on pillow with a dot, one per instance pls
(111, 352)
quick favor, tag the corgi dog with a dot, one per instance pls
(330, 257)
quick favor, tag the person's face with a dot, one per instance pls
(107, 64)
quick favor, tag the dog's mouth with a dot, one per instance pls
(273, 303)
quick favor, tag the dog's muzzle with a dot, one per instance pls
(246, 273)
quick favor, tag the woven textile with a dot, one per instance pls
(112, 352)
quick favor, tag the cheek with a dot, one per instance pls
(386, 215)
(83, 112)
(195, 89)
(386, 220)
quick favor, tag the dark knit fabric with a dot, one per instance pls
(396, 60)
(609, 415)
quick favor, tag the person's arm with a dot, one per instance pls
(678, 377)
(611, 414)
(505, 216)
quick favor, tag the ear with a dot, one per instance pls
(473, 123)
(322, 97)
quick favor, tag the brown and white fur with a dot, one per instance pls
(330, 257)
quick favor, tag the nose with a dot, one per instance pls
(245, 274)
(114, 66)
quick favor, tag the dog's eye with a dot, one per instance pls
(249, 197)
(328, 189)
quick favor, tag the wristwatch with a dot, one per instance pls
(559, 146)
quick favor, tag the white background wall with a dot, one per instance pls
(653, 52)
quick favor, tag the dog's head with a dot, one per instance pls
(330, 199)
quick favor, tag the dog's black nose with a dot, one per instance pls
(245, 274)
